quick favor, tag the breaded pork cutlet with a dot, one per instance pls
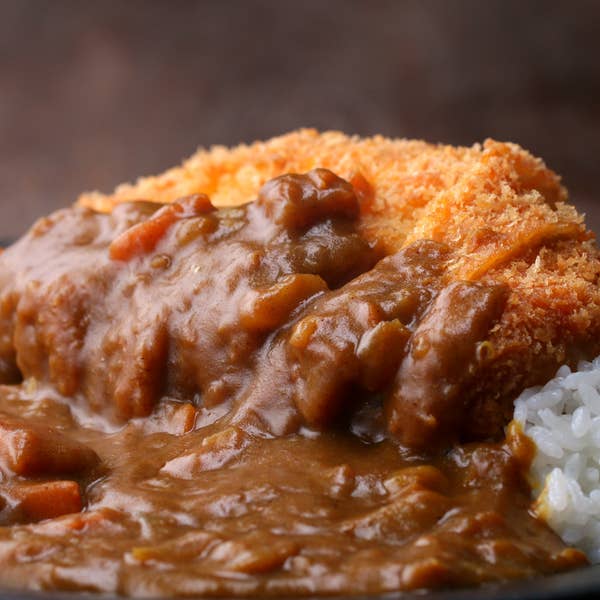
(502, 212)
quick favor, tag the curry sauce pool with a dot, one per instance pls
(266, 400)
(218, 511)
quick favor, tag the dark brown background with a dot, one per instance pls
(93, 93)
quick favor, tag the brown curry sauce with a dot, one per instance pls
(250, 401)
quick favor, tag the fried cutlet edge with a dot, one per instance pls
(502, 211)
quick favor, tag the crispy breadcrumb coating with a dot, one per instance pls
(502, 211)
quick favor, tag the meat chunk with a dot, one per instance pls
(297, 201)
(357, 334)
(425, 407)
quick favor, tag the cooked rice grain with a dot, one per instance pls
(563, 419)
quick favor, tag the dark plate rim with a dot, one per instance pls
(573, 585)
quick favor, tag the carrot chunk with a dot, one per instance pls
(144, 237)
(39, 501)
(30, 450)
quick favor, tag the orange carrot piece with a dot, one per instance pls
(39, 501)
(30, 450)
(143, 237)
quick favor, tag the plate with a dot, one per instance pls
(582, 584)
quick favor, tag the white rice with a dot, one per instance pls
(563, 419)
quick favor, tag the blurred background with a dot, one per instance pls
(95, 93)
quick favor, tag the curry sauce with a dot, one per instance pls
(248, 401)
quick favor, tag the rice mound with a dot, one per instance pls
(563, 420)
